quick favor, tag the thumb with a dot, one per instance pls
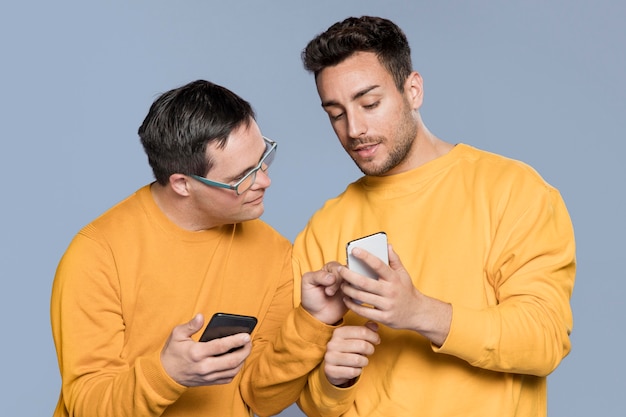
(194, 325)
(373, 326)
(394, 259)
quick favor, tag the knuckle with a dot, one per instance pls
(195, 354)
(355, 361)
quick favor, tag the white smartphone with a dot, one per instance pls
(375, 244)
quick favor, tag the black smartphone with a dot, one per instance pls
(225, 324)
(376, 244)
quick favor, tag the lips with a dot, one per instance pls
(366, 151)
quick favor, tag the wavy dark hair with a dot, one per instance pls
(183, 121)
(361, 34)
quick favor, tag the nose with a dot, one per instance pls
(356, 124)
(262, 179)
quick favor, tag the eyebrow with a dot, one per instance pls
(356, 96)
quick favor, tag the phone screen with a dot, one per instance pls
(225, 324)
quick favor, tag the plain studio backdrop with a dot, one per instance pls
(539, 81)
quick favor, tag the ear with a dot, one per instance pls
(414, 90)
(179, 183)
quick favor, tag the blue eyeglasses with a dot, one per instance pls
(248, 180)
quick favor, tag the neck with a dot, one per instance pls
(425, 148)
(428, 147)
(178, 209)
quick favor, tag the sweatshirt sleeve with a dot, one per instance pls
(320, 398)
(276, 378)
(317, 397)
(88, 330)
(531, 267)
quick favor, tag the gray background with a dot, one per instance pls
(543, 82)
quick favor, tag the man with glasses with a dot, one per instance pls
(249, 178)
(137, 285)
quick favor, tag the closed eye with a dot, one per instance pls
(335, 117)
(372, 106)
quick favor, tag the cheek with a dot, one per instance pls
(387, 122)
(221, 205)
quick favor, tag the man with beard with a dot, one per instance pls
(473, 310)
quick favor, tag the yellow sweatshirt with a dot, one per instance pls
(128, 278)
(484, 233)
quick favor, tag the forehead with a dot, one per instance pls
(360, 71)
(243, 149)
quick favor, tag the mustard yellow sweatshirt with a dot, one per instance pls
(484, 233)
(128, 278)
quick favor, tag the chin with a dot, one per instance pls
(255, 212)
(370, 169)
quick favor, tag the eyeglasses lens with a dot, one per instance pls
(249, 180)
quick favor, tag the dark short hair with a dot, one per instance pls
(183, 121)
(361, 34)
